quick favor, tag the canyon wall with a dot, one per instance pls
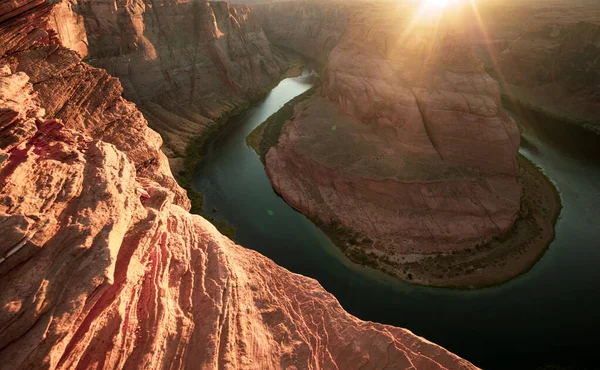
(186, 63)
(406, 144)
(310, 28)
(101, 266)
(546, 55)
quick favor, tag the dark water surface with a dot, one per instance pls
(548, 316)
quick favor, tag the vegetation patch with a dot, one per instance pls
(357, 247)
(510, 254)
(193, 158)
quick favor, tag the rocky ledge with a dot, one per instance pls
(101, 265)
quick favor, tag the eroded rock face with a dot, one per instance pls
(186, 63)
(101, 266)
(208, 55)
(407, 144)
(546, 54)
(85, 99)
(311, 28)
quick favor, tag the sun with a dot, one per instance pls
(436, 6)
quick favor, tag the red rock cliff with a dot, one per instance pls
(186, 63)
(547, 54)
(101, 266)
(407, 144)
(310, 28)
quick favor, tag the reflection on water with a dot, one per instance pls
(548, 316)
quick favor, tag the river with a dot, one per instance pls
(548, 316)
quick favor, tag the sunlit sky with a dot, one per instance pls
(433, 7)
(437, 5)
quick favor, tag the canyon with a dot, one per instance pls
(405, 153)
(102, 265)
(187, 65)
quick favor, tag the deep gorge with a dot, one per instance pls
(102, 265)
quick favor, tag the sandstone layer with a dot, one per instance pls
(407, 144)
(310, 28)
(186, 63)
(102, 267)
(546, 54)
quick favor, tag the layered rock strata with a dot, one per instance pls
(545, 54)
(310, 28)
(101, 266)
(407, 144)
(186, 63)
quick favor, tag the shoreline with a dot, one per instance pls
(273, 125)
(501, 260)
(511, 98)
(196, 149)
(518, 104)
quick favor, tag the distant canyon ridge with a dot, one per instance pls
(188, 64)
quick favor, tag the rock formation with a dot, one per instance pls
(546, 54)
(186, 63)
(101, 266)
(311, 28)
(406, 144)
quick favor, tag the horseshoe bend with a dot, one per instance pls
(403, 147)
(405, 154)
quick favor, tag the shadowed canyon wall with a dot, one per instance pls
(186, 63)
(311, 28)
(101, 266)
(546, 53)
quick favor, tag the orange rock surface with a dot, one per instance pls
(102, 267)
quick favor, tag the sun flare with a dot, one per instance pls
(436, 6)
